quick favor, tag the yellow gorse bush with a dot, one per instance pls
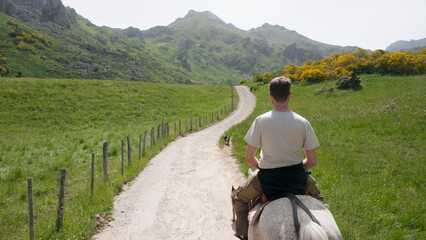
(3, 60)
(359, 62)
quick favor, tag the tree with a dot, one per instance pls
(257, 77)
(361, 53)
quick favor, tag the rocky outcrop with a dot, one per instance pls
(300, 54)
(7, 7)
(346, 82)
(55, 11)
(44, 11)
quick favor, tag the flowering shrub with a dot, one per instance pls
(3, 61)
(24, 41)
(361, 61)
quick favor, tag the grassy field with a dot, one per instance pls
(46, 125)
(371, 165)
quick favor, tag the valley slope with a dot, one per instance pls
(198, 48)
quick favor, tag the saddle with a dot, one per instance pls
(294, 203)
(259, 199)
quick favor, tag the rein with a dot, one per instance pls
(294, 202)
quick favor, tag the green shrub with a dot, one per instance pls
(346, 82)
(10, 22)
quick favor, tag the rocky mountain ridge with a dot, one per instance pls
(197, 48)
(40, 11)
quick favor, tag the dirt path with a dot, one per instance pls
(184, 192)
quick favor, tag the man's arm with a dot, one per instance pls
(311, 158)
(250, 156)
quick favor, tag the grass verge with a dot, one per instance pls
(371, 159)
(49, 124)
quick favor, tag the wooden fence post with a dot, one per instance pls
(153, 135)
(144, 143)
(180, 126)
(162, 130)
(122, 157)
(105, 155)
(31, 208)
(140, 146)
(129, 151)
(191, 125)
(199, 121)
(61, 203)
(92, 177)
(158, 132)
(232, 96)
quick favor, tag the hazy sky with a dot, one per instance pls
(370, 24)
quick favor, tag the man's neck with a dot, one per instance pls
(281, 107)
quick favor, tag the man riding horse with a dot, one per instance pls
(282, 134)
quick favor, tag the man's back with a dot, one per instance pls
(282, 136)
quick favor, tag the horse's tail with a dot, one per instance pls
(312, 231)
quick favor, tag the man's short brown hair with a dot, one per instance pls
(279, 88)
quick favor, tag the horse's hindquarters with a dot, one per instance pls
(276, 220)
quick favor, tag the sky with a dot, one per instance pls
(369, 24)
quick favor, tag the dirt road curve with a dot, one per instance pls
(184, 192)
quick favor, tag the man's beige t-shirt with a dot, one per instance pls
(282, 136)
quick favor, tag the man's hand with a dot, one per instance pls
(250, 156)
(311, 158)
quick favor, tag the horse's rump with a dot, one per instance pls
(276, 219)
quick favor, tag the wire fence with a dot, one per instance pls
(160, 132)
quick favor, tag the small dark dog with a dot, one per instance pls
(227, 138)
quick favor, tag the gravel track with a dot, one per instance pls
(183, 193)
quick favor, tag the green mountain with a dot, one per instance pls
(412, 45)
(42, 38)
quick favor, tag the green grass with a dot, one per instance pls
(46, 125)
(371, 159)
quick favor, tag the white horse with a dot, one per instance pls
(276, 221)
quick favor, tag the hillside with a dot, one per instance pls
(370, 154)
(412, 45)
(198, 48)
